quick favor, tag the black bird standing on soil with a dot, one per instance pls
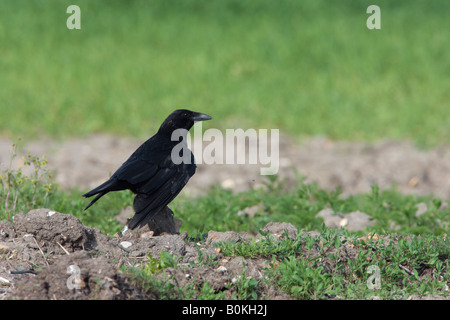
(151, 173)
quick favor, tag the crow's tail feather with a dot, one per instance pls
(101, 190)
(95, 199)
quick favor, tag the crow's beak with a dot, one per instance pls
(201, 117)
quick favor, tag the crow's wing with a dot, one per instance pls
(136, 172)
(133, 173)
(139, 170)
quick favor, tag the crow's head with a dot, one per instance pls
(182, 119)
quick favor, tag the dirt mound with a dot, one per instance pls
(51, 229)
(50, 255)
(38, 250)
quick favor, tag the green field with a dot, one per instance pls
(305, 67)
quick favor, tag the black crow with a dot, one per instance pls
(154, 172)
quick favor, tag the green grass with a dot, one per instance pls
(306, 67)
(218, 210)
(306, 277)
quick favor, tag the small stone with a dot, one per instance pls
(330, 219)
(4, 249)
(358, 220)
(126, 244)
(250, 211)
(279, 229)
(421, 209)
(146, 235)
(373, 236)
(228, 184)
(222, 269)
(28, 237)
(50, 213)
(413, 182)
(5, 281)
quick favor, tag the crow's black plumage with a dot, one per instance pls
(151, 173)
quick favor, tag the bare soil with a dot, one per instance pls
(355, 166)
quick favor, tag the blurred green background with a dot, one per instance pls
(305, 67)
